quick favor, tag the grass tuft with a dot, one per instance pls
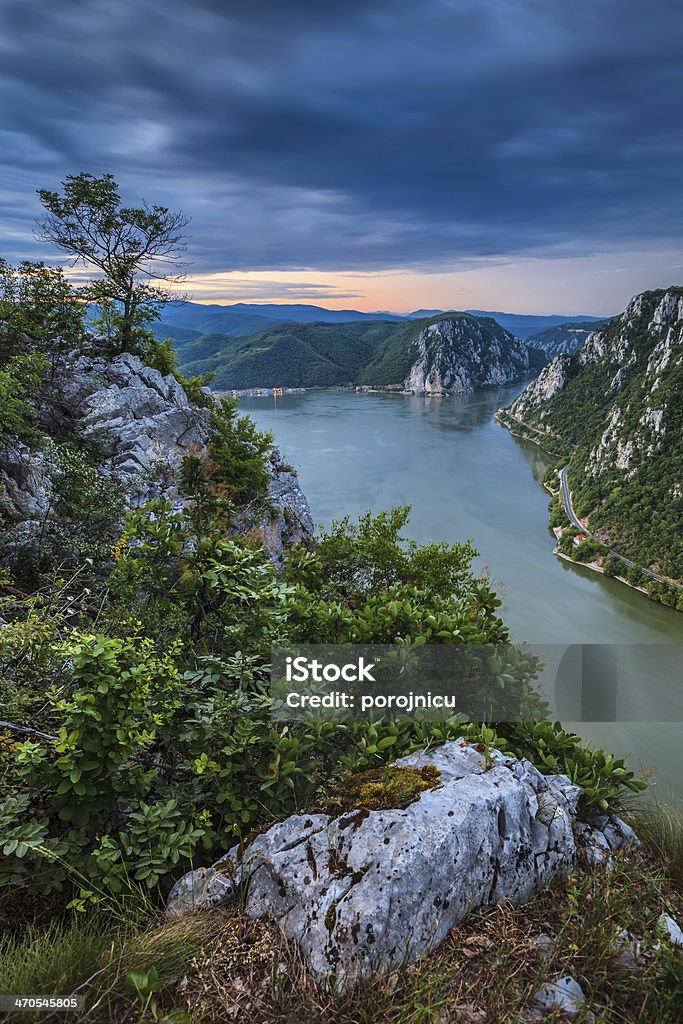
(660, 827)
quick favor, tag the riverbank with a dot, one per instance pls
(596, 567)
(666, 597)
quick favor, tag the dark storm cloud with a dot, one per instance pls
(354, 135)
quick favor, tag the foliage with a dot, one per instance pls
(166, 751)
(375, 352)
(81, 520)
(38, 307)
(130, 247)
(21, 379)
(610, 400)
(373, 556)
(238, 450)
(159, 353)
(587, 550)
(558, 516)
(600, 775)
(612, 566)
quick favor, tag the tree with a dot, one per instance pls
(133, 248)
(38, 307)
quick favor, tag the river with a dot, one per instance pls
(466, 477)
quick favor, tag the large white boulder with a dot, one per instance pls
(368, 891)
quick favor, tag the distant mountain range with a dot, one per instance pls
(243, 318)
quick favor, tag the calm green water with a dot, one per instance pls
(468, 478)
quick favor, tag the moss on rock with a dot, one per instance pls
(381, 789)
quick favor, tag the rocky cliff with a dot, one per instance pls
(614, 408)
(462, 353)
(141, 425)
(563, 338)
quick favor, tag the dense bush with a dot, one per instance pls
(37, 305)
(164, 750)
(21, 379)
(238, 450)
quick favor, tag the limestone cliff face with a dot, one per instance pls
(615, 408)
(550, 380)
(625, 368)
(143, 424)
(461, 353)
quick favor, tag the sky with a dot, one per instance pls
(518, 155)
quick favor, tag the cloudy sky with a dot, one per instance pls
(502, 154)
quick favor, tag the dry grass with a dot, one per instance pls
(219, 967)
(485, 973)
(660, 826)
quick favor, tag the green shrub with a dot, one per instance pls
(81, 521)
(166, 752)
(21, 379)
(239, 452)
(38, 306)
(374, 556)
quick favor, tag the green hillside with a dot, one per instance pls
(315, 354)
(616, 409)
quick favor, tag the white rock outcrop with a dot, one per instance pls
(460, 353)
(550, 380)
(366, 890)
(143, 425)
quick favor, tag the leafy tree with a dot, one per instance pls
(20, 381)
(613, 566)
(238, 451)
(373, 555)
(39, 307)
(133, 248)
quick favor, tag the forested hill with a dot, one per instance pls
(616, 410)
(377, 353)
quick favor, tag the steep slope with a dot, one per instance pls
(555, 341)
(289, 355)
(460, 353)
(137, 426)
(615, 412)
(472, 352)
